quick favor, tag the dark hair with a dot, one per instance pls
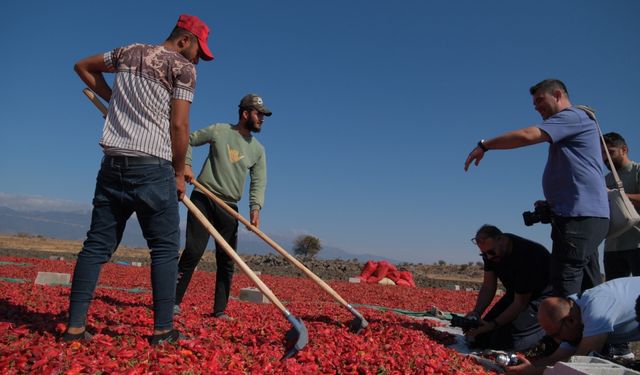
(548, 86)
(488, 231)
(614, 139)
(178, 33)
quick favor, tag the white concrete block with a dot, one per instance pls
(55, 257)
(136, 264)
(453, 287)
(52, 278)
(578, 365)
(355, 280)
(469, 289)
(253, 295)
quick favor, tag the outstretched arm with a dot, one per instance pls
(514, 139)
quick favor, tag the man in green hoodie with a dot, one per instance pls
(233, 152)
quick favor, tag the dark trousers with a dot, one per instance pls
(574, 259)
(196, 243)
(123, 188)
(521, 334)
(621, 263)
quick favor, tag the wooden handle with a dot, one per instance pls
(272, 243)
(236, 258)
(94, 99)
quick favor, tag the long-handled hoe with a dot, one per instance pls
(357, 325)
(297, 337)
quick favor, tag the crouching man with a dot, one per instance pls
(603, 315)
(522, 266)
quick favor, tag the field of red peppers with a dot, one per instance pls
(32, 317)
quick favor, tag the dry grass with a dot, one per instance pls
(31, 242)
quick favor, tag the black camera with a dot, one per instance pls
(464, 323)
(541, 214)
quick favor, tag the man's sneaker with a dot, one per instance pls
(168, 337)
(619, 351)
(176, 310)
(223, 316)
(84, 336)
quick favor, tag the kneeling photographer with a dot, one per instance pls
(522, 266)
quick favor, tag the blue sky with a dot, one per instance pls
(376, 105)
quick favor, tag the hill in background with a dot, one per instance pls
(73, 225)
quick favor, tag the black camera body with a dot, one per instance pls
(464, 323)
(541, 214)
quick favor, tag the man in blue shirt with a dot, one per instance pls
(573, 184)
(603, 315)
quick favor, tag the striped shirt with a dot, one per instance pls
(147, 79)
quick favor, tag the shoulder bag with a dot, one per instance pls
(622, 213)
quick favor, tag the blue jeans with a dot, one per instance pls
(126, 185)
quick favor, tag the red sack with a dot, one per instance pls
(402, 282)
(380, 272)
(368, 269)
(408, 277)
(394, 275)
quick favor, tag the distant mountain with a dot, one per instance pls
(65, 225)
(73, 225)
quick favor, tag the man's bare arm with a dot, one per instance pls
(514, 139)
(179, 140)
(90, 71)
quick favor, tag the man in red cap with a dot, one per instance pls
(145, 139)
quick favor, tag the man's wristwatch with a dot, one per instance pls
(482, 146)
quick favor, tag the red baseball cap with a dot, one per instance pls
(198, 28)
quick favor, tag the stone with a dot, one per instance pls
(253, 295)
(53, 278)
(589, 366)
(355, 280)
(136, 264)
(453, 287)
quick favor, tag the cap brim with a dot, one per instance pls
(264, 110)
(205, 52)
